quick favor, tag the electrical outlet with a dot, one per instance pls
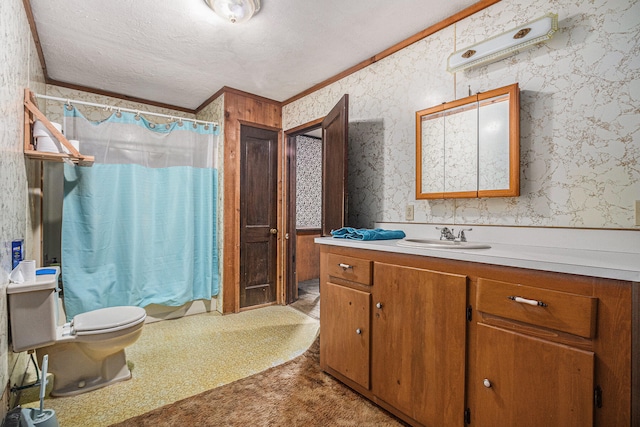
(637, 212)
(408, 215)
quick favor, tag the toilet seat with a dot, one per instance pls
(106, 320)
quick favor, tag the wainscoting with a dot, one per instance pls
(307, 254)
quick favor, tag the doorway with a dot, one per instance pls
(305, 173)
(309, 214)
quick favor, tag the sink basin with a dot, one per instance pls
(441, 244)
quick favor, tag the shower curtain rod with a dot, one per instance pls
(111, 107)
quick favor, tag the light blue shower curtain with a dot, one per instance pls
(139, 226)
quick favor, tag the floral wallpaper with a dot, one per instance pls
(579, 119)
(19, 69)
(308, 182)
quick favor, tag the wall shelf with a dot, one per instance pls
(31, 114)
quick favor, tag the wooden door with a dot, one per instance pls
(419, 342)
(258, 215)
(530, 382)
(345, 343)
(291, 198)
(335, 136)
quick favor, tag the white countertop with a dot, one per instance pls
(594, 263)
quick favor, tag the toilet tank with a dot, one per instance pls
(33, 309)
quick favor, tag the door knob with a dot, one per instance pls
(273, 231)
(358, 331)
(486, 383)
(379, 305)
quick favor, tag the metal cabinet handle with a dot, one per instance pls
(527, 301)
(379, 305)
(345, 266)
(358, 331)
(486, 383)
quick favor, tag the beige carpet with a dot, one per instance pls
(179, 358)
(296, 393)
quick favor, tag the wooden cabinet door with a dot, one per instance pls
(524, 381)
(418, 344)
(345, 334)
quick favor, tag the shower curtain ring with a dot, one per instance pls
(180, 122)
(137, 116)
(118, 113)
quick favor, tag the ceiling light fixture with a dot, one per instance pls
(234, 11)
(505, 44)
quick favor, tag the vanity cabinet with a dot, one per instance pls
(405, 327)
(528, 350)
(347, 347)
(418, 342)
(448, 343)
(525, 381)
(346, 313)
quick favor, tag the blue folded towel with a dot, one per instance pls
(367, 234)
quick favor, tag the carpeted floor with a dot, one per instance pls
(179, 358)
(296, 393)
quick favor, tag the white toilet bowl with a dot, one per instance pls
(84, 354)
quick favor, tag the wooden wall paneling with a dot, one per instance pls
(242, 108)
(307, 255)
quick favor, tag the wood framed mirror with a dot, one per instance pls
(470, 147)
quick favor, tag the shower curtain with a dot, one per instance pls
(139, 226)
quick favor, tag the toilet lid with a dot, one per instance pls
(108, 319)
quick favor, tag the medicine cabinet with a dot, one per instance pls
(470, 147)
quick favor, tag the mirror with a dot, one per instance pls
(470, 147)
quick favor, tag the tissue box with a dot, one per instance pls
(17, 252)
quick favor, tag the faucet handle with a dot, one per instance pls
(446, 233)
(461, 237)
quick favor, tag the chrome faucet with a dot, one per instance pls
(448, 234)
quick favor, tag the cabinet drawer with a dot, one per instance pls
(348, 268)
(572, 313)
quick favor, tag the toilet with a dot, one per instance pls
(84, 354)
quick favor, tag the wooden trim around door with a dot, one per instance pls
(240, 109)
(290, 291)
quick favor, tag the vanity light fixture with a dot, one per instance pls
(234, 11)
(506, 44)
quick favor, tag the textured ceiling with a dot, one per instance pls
(179, 52)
